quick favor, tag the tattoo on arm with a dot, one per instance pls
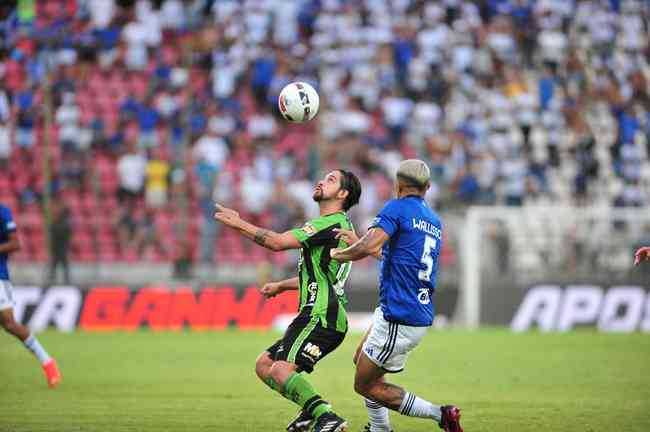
(363, 244)
(359, 246)
(260, 236)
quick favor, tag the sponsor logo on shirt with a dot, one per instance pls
(312, 351)
(312, 289)
(423, 296)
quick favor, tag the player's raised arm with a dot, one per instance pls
(643, 254)
(369, 244)
(263, 237)
(11, 245)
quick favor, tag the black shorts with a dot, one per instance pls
(305, 342)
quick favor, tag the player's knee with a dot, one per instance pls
(276, 371)
(263, 365)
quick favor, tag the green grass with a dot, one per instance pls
(148, 381)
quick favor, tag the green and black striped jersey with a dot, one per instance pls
(321, 278)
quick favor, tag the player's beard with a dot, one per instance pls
(318, 195)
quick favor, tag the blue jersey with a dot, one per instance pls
(7, 226)
(408, 270)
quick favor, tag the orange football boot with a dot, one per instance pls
(52, 373)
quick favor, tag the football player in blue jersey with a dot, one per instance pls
(9, 243)
(407, 236)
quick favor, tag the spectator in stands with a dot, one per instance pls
(148, 119)
(101, 13)
(5, 107)
(157, 180)
(210, 153)
(211, 148)
(73, 170)
(146, 235)
(135, 37)
(183, 261)
(25, 114)
(131, 169)
(206, 174)
(512, 101)
(67, 118)
(5, 144)
(60, 236)
(173, 14)
(126, 226)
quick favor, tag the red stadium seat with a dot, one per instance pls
(108, 255)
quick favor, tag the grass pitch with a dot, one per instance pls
(147, 381)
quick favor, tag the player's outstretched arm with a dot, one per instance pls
(272, 289)
(11, 245)
(643, 254)
(369, 244)
(350, 237)
(263, 237)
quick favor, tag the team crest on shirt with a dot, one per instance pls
(308, 229)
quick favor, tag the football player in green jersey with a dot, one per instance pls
(321, 324)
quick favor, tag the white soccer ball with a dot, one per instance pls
(298, 102)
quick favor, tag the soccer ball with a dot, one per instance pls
(298, 102)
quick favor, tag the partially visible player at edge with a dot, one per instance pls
(321, 324)
(643, 254)
(408, 235)
(9, 243)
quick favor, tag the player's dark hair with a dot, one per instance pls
(350, 183)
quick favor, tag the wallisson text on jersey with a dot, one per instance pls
(427, 227)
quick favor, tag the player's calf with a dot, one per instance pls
(50, 368)
(280, 371)
(10, 325)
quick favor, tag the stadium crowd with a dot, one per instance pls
(160, 108)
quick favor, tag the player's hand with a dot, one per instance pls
(348, 236)
(643, 254)
(334, 252)
(271, 289)
(225, 215)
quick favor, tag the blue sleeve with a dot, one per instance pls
(388, 218)
(8, 224)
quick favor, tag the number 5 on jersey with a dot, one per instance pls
(430, 244)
